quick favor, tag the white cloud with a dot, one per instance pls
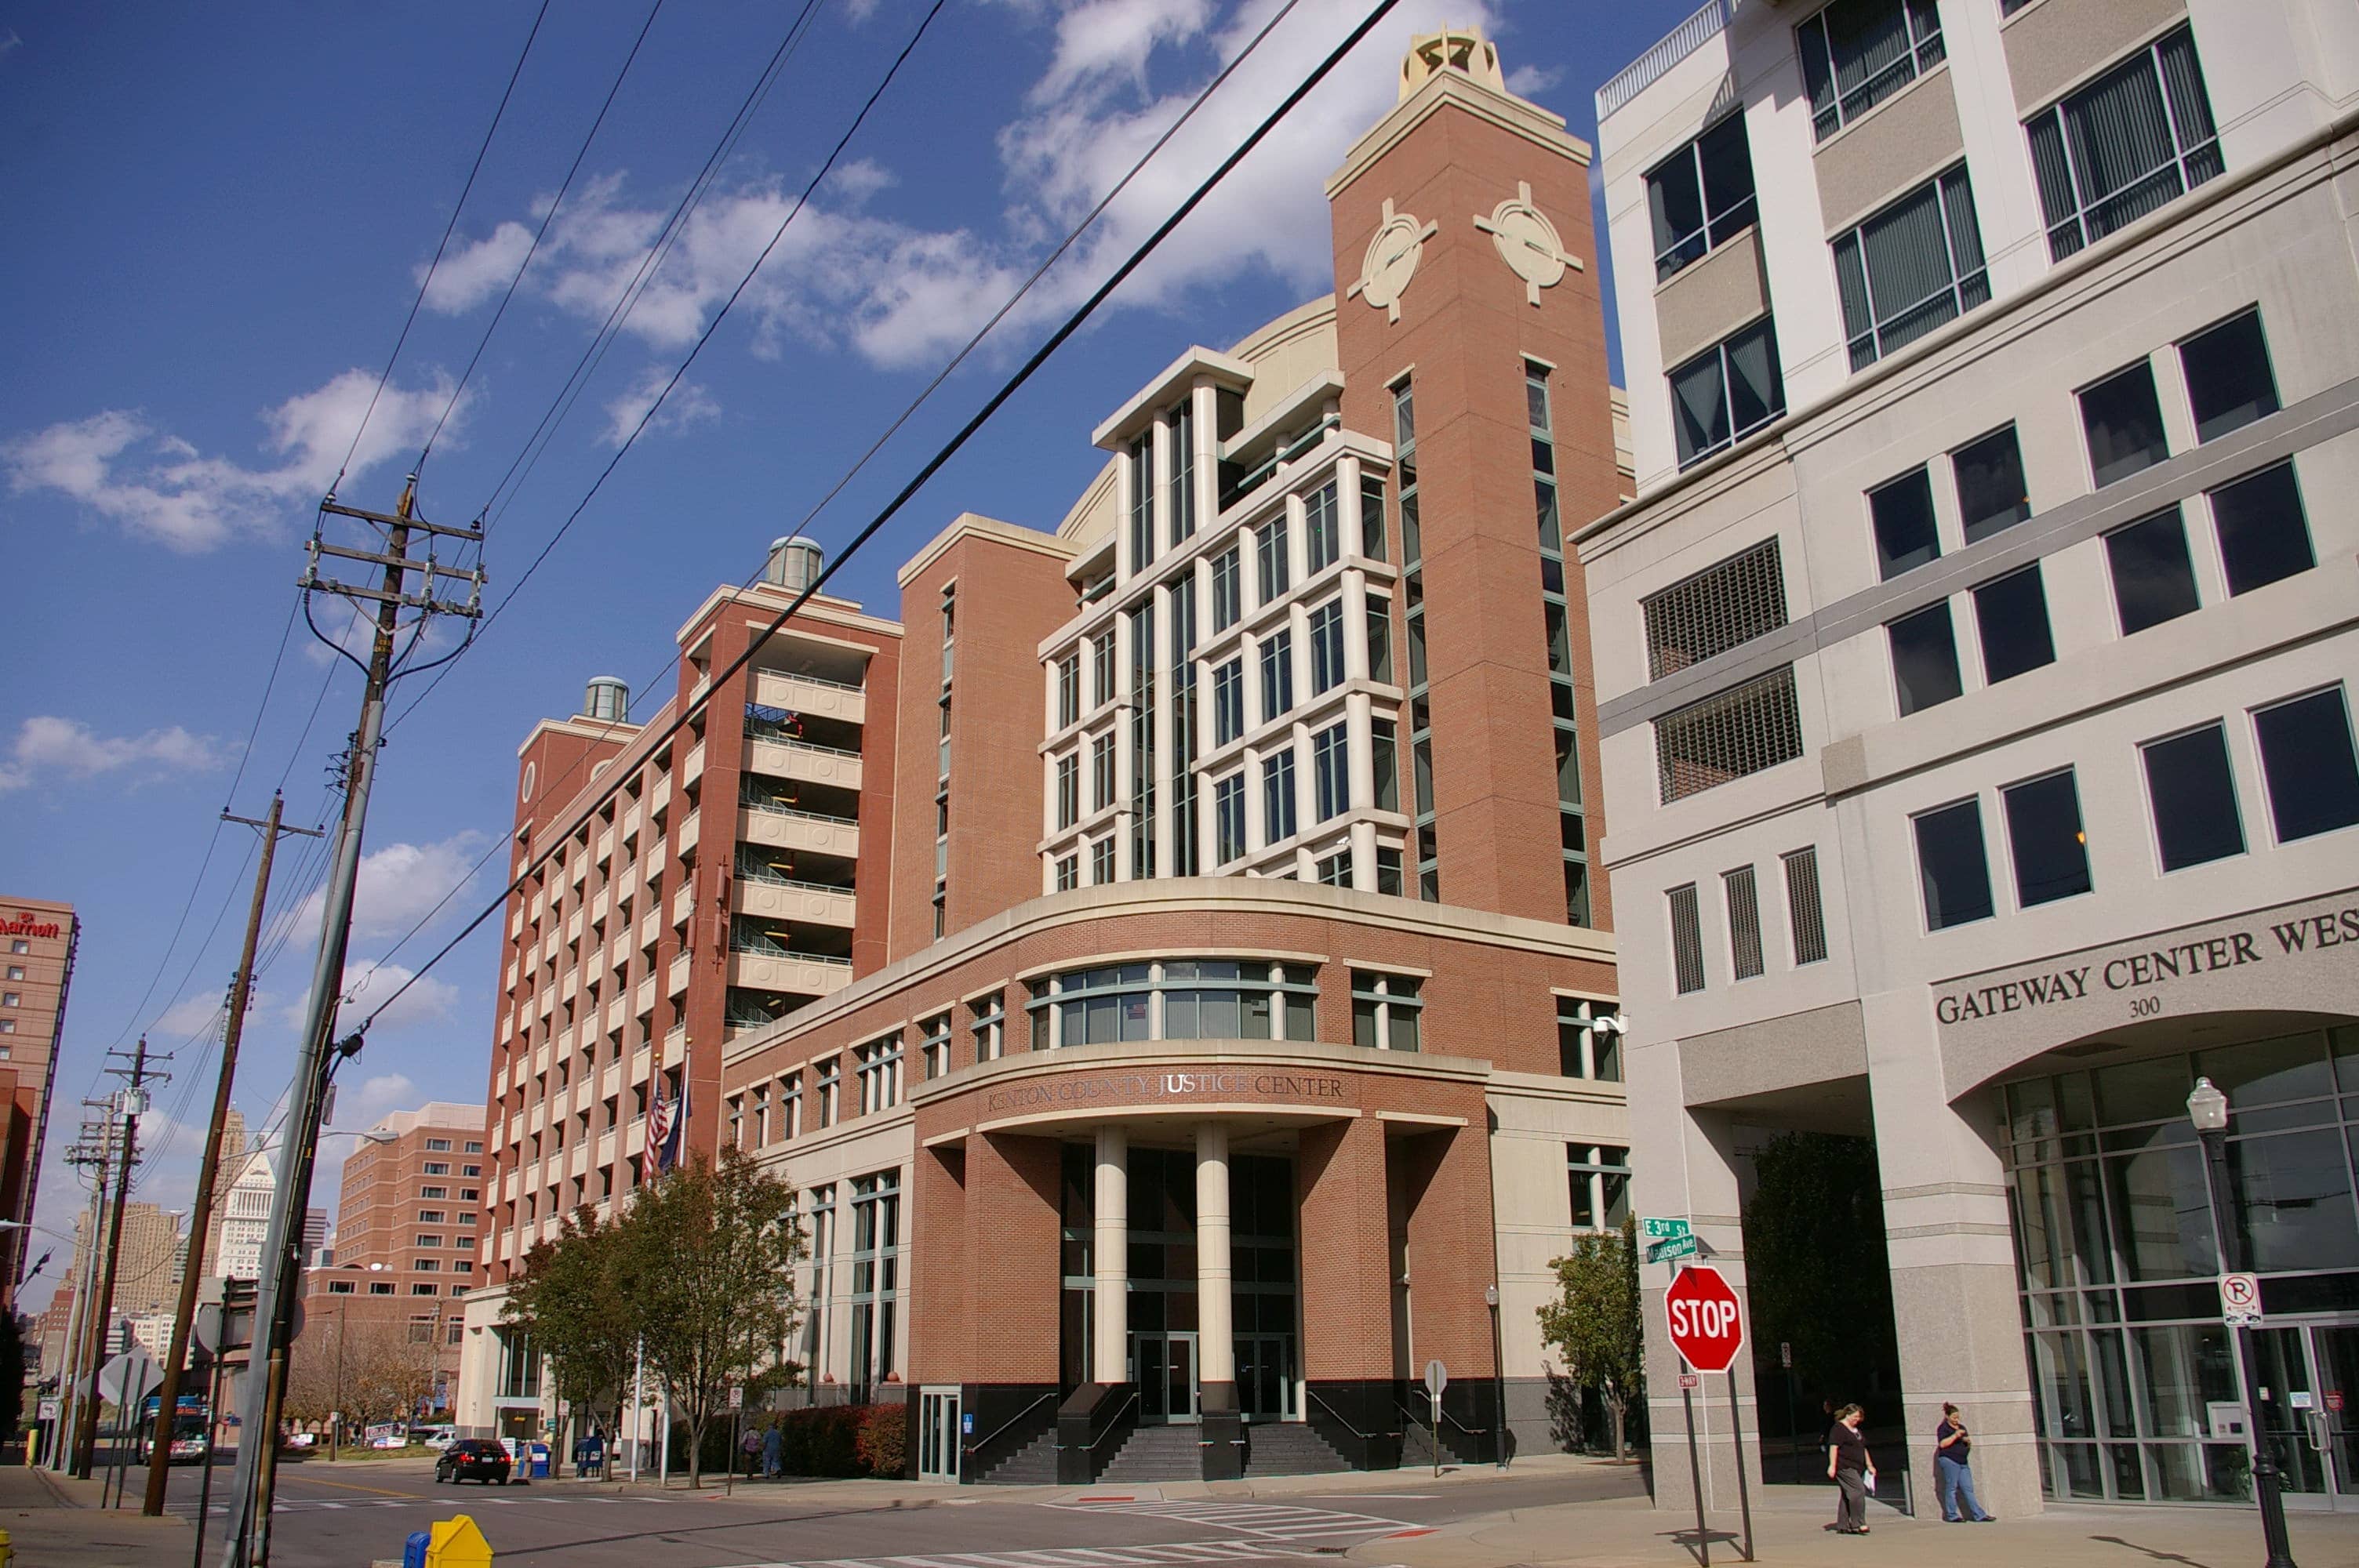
(1529, 81)
(355, 634)
(68, 747)
(399, 883)
(368, 985)
(8, 45)
(193, 1018)
(157, 486)
(475, 272)
(688, 404)
(363, 1107)
(1114, 38)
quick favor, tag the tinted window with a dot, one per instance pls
(2011, 616)
(1951, 866)
(2152, 580)
(2307, 755)
(2228, 379)
(1903, 515)
(2124, 420)
(2194, 797)
(1991, 491)
(2263, 533)
(2044, 835)
(1925, 658)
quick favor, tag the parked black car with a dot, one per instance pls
(474, 1459)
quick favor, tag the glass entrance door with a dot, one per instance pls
(938, 1435)
(2334, 1420)
(1164, 1367)
(1266, 1376)
(2311, 1411)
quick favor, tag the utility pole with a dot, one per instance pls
(282, 1264)
(131, 1102)
(92, 1152)
(200, 1212)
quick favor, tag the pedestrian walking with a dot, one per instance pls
(1954, 1473)
(773, 1450)
(594, 1447)
(1852, 1470)
(751, 1446)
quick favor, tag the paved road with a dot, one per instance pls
(344, 1519)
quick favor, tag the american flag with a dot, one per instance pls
(664, 1120)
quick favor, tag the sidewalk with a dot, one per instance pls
(54, 1521)
(1789, 1529)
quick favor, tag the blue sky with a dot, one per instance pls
(218, 219)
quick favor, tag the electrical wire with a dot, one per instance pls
(991, 406)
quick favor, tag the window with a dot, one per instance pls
(1101, 862)
(2194, 798)
(474, 1146)
(1142, 502)
(1277, 796)
(2123, 421)
(1583, 1050)
(1228, 818)
(1183, 470)
(1102, 669)
(1951, 866)
(1902, 515)
(1227, 589)
(17, 971)
(424, 1240)
(1322, 529)
(1380, 639)
(1272, 563)
(434, 1192)
(437, 1146)
(1384, 746)
(436, 1168)
(2154, 581)
(935, 1032)
(1333, 870)
(2307, 760)
(1068, 790)
(432, 1216)
(2228, 379)
(1069, 873)
(1742, 894)
(1728, 735)
(1910, 267)
(1721, 607)
(875, 1279)
(1991, 492)
(1857, 53)
(1687, 939)
(1389, 871)
(1600, 1180)
(1385, 1011)
(1228, 701)
(422, 1287)
(1327, 647)
(1372, 517)
(1102, 772)
(340, 1287)
(2011, 613)
(1069, 689)
(1701, 196)
(1330, 772)
(2044, 838)
(2133, 139)
(381, 1288)
(2264, 535)
(1178, 999)
(1276, 674)
(1726, 392)
(18, 945)
(828, 1085)
(1924, 659)
(1804, 913)
(987, 1024)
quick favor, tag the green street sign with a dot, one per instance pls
(1672, 1247)
(1664, 1229)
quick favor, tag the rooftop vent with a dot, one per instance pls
(607, 700)
(794, 564)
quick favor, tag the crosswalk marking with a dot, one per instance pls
(1055, 1557)
(1273, 1521)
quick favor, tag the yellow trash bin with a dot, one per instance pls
(457, 1543)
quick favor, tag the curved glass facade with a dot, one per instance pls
(1176, 999)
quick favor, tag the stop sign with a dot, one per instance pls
(1706, 1327)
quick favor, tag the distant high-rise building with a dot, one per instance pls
(232, 1160)
(38, 938)
(245, 1212)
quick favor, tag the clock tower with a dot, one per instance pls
(1470, 334)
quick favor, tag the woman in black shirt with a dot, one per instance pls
(1851, 1469)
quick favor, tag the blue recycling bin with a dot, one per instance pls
(413, 1550)
(539, 1461)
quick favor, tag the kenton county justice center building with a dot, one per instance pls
(1168, 961)
(1974, 677)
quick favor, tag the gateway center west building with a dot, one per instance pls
(1975, 676)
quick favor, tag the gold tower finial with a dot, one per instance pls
(1461, 49)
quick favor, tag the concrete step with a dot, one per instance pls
(1288, 1448)
(1157, 1454)
(1034, 1465)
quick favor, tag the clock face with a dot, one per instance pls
(1528, 242)
(1391, 261)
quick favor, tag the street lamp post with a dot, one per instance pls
(1498, 1377)
(2208, 1108)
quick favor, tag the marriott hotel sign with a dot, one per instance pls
(2299, 956)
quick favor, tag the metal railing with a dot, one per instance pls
(772, 809)
(971, 1449)
(1651, 66)
(761, 947)
(1112, 1425)
(1336, 1416)
(770, 735)
(812, 680)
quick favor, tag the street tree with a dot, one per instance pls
(713, 1251)
(578, 1300)
(1597, 1325)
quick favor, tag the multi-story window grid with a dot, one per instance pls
(1331, 775)
(1687, 939)
(818, 1288)
(986, 1025)
(1276, 674)
(1142, 502)
(1701, 196)
(1557, 616)
(1185, 829)
(2135, 138)
(1178, 999)
(1142, 740)
(934, 1035)
(1599, 1178)
(1910, 267)
(1322, 529)
(827, 1087)
(1805, 915)
(1183, 470)
(1278, 805)
(1420, 738)
(878, 1066)
(1728, 735)
(1228, 588)
(1857, 53)
(1385, 1011)
(1228, 818)
(1587, 1046)
(1741, 895)
(875, 1279)
(1727, 392)
(1101, 748)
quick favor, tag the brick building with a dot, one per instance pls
(1252, 910)
(38, 939)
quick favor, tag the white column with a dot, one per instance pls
(1216, 1350)
(1110, 1245)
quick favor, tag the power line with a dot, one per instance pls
(933, 465)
